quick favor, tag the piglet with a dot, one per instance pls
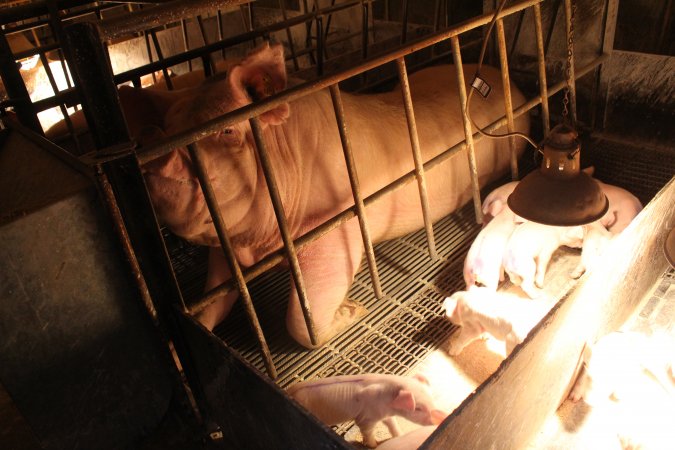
(623, 207)
(596, 239)
(408, 441)
(495, 201)
(506, 317)
(483, 262)
(529, 251)
(368, 399)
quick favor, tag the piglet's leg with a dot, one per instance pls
(392, 425)
(368, 431)
(468, 333)
(328, 266)
(218, 272)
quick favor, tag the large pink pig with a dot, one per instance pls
(623, 207)
(368, 399)
(305, 151)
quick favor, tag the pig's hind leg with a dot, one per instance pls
(328, 267)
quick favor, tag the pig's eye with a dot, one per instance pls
(227, 131)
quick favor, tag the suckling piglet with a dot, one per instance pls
(408, 441)
(529, 251)
(368, 399)
(483, 262)
(623, 207)
(506, 317)
(496, 200)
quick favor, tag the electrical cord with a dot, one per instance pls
(477, 76)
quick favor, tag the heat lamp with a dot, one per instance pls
(559, 193)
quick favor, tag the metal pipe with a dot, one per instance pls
(206, 59)
(571, 80)
(226, 245)
(356, 190)
(286, 236)
(186, 40)
(516, 36)
(541, 63)
(417, 156)
(290, 94)
(275, 258)
(364, 30)
(160, 59)
(289, 35)
(551, 27)
(55, 88)
(160, 14)
(508, 103)
(319, 45)
(404, 29)
(471, 154)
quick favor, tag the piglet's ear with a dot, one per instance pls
(404, 401)
(261, 74)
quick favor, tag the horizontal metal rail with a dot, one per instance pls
(277, 257)
(252, 110)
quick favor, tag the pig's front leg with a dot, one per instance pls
(596, 239)
(392, 426)
(367, 428)
(468, 333)
(218, 272)
(328, 267)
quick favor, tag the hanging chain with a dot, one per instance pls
(568, 65)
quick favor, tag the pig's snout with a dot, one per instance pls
(437, 416)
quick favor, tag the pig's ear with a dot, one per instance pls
(590, 170)
(261, 74)
(404, 401)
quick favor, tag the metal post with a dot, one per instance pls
(508, 103)
(471, 154)
(289, 36)
(541, 62)
(226, 245)
(356, 191)
(283, 227)
(571, 80)
(417, 156)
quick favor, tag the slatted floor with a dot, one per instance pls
(405, 325)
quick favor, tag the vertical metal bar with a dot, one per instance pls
(160, 58)
(471, 154)
(221, 31)
(437, 14)
(289, 36)
(226, 245)
(508, 103)
(319, 45)
(55, 88)
(404, 29)
(148, 49)
(554, 17)
(283, 227)
(364, 32)
(417, 155)
(571, 80)
(186, 40)
(521, 17)
(356, 190)
(327, 29)
(207, 58)
(541, 62)
(603, 79)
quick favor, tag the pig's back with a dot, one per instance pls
(331, 401)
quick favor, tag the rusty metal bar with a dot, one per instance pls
(404, 21)
(417, 156)
(165, 13)
(516, 36)
(286, 236)
(206, 59)
(541, 63)
(275, 258)
(160, 58)
(55, 88)
(289, 35)
(471, 154)
(319, 46)
(186, 40)
(571, 80)
(221, 31)
(356, 190)
(554, 17)
(364, 30)
(290, 94)
(508, 103)
(226, 245)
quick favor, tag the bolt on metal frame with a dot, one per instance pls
(249, 112)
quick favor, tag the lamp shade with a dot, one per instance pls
(669, 247)
(559, 193)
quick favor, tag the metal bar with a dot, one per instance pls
(554, 17)
(327, 30)
(417, 156)
(164, 13)
(228, 250)
(571, 81)
(186, 40)
(519, 26)
(541, 63)
(275, 258)
(160, 59)
(148, 50)
(508, 103)
(289, 35)
(290, 94)
(319, 45)
(55, 88)
(207, 60)
(221, 33)
(286, 236)
(471, 154)
(364, 31)
(356, 190)
(404, 29)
